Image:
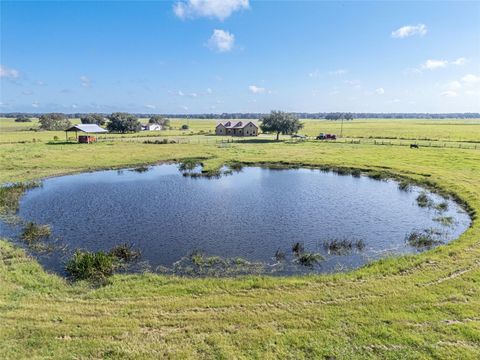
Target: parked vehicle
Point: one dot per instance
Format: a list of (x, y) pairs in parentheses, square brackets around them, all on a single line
[(323, 136)]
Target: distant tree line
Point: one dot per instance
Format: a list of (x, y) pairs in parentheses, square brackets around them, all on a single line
[(120, 122), (339, 116), (300, 115)]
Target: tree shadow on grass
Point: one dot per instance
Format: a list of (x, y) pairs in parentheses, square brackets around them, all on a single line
[(257, 141), (62, 143)]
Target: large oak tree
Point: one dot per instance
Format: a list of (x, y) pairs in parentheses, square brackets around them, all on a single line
[(280, 122)]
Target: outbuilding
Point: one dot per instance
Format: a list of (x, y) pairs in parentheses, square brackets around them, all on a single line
[(89, 129)]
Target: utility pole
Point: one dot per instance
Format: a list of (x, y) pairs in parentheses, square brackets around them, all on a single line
[(341, 126)]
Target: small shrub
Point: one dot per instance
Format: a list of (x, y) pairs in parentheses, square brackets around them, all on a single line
[(184, 127), (55, 138), (423, 200), (309, 259), (125, 252), (94, 266), (23, 119), (33, 232), (160, 141)]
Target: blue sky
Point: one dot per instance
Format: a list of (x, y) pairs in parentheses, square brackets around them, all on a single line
[(199, 56)]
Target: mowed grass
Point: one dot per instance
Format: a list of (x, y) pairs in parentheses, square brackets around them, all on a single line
[(413, 307)]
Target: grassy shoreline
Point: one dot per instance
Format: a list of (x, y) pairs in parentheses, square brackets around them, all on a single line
[(422, 306)]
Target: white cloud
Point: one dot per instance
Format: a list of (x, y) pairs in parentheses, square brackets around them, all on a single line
[(220, 9), (150, 106), (35, 104), (338, 72), (8, 73), (410, 30), (256, 89), (453, 85), (356, 84), (221, 41), (74, 106), (209, 91), (85, 81), (314, 74), (471, 79), (193, 95), (380, 91), (434, 64), (459, 61), (449, 93)]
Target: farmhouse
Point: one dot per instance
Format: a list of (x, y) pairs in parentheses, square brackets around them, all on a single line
[(237, 128)]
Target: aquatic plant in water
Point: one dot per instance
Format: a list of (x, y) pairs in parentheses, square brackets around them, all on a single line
[(423, 239), (308, 258), (423, 200), (33, 232), (343, 246)]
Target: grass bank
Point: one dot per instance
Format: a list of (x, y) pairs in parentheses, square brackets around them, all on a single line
[(424, 306)]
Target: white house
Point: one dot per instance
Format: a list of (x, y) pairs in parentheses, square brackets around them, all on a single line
[(151, 127)]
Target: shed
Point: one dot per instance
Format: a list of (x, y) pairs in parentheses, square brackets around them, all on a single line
[(88, 129)]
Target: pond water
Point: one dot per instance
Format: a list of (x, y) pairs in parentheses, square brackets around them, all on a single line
[(252, 214)]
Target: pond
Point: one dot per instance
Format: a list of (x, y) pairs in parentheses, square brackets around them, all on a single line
[(253, 216)]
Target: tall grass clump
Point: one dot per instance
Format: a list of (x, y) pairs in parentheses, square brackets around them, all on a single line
[(92, 266), (125, 252), (236, 166), (10, 196), (309, 259), (422, 239), (343, 246), (297, 248), (305, 258), (404, 185), (441, 207), (444, 220), (280, 255), (423, 200), (33, 232), (189, 164)]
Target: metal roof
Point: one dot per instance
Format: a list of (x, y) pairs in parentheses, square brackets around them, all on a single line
[(236, 124), (87, 128)]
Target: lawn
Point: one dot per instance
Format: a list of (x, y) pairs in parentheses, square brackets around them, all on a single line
[(413, 307)]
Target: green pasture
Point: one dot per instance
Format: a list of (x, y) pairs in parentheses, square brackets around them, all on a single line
[(424, 306)]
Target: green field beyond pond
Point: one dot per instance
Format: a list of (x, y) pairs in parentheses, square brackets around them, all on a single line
[(413, 307)]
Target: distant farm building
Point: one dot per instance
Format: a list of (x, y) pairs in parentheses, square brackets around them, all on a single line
[(89, 129), (236, 128), (151, 127)]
